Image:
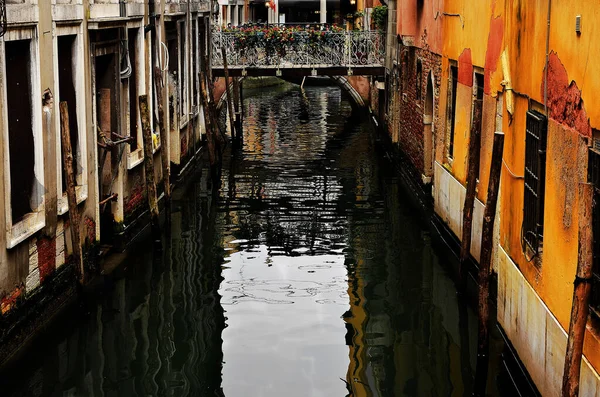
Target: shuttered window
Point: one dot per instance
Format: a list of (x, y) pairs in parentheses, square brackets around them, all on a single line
[(594, 178), (535, 175)]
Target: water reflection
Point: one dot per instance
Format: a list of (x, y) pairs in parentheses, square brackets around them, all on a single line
[(310, 275)]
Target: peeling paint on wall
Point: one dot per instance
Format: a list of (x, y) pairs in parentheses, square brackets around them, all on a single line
[(465, 68), (564, 98), (492, 54)]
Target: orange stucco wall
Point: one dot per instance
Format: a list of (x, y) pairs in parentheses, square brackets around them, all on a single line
[(475, 37), (423, 24)]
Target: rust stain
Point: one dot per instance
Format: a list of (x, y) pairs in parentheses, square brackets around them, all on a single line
[(564, 98), (465, 68), (492, 55)]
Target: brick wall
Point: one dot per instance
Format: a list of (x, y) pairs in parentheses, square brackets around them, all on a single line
[(405, 108)]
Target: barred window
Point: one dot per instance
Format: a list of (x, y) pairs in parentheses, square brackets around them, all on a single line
[(535, 175), (594, 178)]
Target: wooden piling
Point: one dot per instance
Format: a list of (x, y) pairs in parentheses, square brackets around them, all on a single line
[(472, 174), (67, 151), (228, 94), (164, 153), (149, 161), (581, 292), (210, 133), (237, 108), (487, 236)]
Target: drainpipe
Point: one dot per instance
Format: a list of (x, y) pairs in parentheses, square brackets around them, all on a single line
[(547, 58)]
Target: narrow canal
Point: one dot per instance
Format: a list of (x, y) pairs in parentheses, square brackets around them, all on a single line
[(310, 275)]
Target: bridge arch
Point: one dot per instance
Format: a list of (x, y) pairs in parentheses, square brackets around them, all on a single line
[(350, 89)]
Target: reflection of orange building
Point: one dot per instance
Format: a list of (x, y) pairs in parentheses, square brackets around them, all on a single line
[(356, 319), (534, 80)]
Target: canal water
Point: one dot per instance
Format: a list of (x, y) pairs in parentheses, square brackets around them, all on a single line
[(308, 274)]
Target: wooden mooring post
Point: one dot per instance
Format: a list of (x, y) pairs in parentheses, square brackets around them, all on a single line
[(472, 174), (74, 218), (149, 161), (164, 153), (238, 105), (208, 121), (485, 260), (581, 292), (232, 124)]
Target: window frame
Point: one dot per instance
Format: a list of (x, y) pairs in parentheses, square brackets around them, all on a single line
[(81, 179), (136, 157), (183, 77), (35, 220), (451, 109), (594, 179), (538, 190)]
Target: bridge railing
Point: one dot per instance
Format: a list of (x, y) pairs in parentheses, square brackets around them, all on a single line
[(286, 48)]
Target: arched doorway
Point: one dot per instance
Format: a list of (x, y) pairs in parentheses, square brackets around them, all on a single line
[(428, 130)]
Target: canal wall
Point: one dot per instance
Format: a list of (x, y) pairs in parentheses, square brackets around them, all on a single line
[(473, 57), (97, 57)]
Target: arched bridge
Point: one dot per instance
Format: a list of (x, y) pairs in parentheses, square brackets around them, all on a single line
[(297, 51)]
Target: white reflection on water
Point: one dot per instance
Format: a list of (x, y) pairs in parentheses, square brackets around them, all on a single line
[(265, 353)]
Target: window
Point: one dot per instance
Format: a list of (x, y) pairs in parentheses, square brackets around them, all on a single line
[(535, 175), (419, 81), (451, 114), (194, 65), (173, 80), (594, 178), (70, 89), (20, 128), (66, 93), (22, 136), (183, 89), (134, 119)]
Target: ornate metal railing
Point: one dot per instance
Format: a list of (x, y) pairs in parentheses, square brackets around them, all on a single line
[(300, 49)]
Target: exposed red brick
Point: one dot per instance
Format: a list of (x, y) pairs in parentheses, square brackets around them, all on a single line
[(9, 301), (492, 55), (184, 143), (135, 199), (564, 98), (46, 257), (465, 68), (90, 225)]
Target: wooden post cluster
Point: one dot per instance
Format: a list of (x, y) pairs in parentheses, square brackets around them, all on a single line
[(158, 85), (581, 292), (487, 235), (74, 218)]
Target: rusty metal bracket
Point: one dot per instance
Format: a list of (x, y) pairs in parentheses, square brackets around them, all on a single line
[(112, 197)]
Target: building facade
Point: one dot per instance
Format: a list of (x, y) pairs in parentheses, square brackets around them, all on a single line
[(525, 67), (96, 55)]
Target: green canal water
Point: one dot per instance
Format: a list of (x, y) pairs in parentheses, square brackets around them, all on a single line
[(310, 273)]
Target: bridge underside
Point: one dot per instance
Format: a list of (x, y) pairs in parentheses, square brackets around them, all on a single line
[(300, 71)]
